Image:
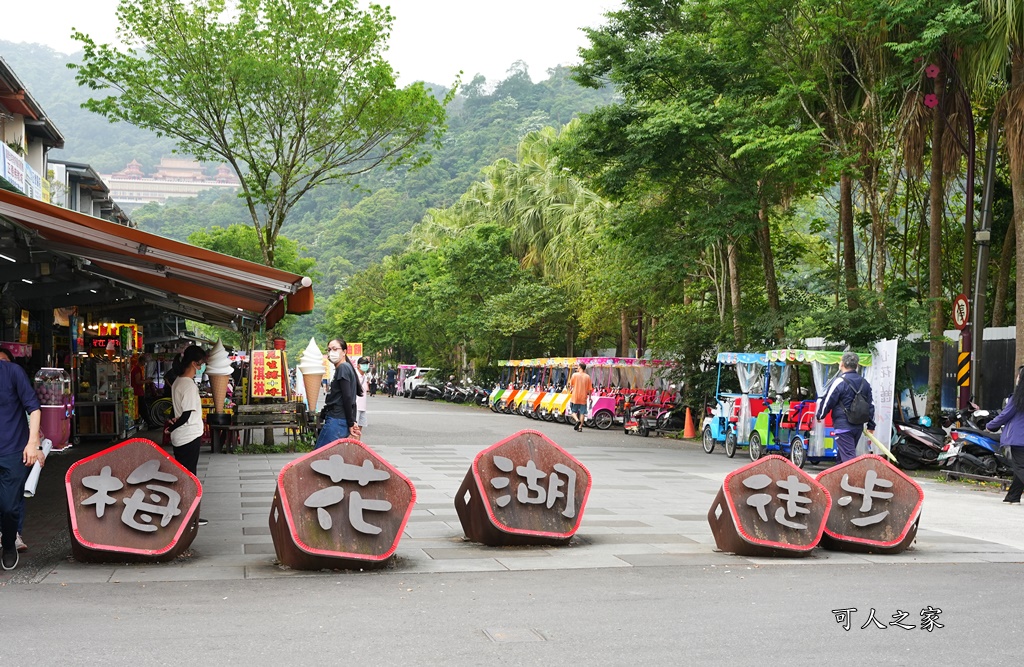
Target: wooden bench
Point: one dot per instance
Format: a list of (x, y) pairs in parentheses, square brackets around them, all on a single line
[(291, 417)]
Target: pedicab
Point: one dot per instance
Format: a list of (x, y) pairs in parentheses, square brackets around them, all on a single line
[(792, 429), (617, 382), (732, 418)]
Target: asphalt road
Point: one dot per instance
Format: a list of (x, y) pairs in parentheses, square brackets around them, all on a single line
[(685, 614)]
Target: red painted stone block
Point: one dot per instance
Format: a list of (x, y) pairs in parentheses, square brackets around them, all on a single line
[(769, 508), (131, 502), (875, 507), (340, 507), (523, 490)]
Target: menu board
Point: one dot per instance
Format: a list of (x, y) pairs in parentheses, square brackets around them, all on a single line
[(269, 374)]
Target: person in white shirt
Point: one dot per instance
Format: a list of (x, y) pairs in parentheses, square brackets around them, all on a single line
[(187, 425), (363, 370)]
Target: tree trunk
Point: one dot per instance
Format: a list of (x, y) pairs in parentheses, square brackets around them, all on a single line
[(624, 336), (936, 206), (1006, 257), (639, 335), (1014, 136), (732, 259), (771, 285), (846, 232), (570, 340)]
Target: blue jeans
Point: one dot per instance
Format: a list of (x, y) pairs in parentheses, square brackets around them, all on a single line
[(335, 428), (13, 474)]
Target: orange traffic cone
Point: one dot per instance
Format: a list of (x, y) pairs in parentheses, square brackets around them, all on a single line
[(689, 432)]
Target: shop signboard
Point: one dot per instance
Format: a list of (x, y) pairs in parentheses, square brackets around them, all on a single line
[(340, 506), (355, 350), (269, 374), (33, 182), (523, 490), (14, 168), (131, 502)]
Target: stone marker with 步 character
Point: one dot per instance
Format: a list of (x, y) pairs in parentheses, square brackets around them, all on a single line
[(131, 503), (875, 507), (769, 508), (524, 490), (339, 507)]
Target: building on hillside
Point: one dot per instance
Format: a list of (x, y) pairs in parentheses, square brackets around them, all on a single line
[(27, 136), (174, 177)]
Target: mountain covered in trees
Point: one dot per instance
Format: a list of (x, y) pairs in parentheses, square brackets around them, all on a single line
[(343, 229)]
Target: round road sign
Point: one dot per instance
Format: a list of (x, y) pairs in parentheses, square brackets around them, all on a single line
[(961, 311)]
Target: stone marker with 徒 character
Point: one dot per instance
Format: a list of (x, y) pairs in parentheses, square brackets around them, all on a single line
[(339, 507), (131, 502), (875, 507), (524, 490), (769, 508)]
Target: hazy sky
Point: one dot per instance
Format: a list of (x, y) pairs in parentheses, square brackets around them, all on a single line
[(432, 39)]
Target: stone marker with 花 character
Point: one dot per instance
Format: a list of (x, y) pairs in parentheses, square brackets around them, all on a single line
[(769, 508), (339, 507), (131, 503), (524, 490)]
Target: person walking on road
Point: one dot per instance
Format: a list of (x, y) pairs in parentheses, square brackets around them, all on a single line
[(1012, 419), (20, 449), (340, 419), (363, 371), (580, 386), (848, 398), (391, 381)]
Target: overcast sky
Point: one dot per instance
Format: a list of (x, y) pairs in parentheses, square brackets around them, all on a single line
[(432, 39)]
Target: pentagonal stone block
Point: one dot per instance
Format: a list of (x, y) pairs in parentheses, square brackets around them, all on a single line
[(523, 490), (339, 507), (769, 508), (131, 502), (875, 507)]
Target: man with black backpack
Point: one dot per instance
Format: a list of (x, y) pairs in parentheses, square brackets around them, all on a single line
[(848, 398)]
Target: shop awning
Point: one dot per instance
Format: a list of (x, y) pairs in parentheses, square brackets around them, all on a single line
[(193, 282)]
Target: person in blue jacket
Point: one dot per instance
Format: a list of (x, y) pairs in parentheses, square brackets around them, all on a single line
[(838, 398), (20, 448), (1012, 419)]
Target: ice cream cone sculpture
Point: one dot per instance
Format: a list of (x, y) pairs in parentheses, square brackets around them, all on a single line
[(311, 365), (218, 368)]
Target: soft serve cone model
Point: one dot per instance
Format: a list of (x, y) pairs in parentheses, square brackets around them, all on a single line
[(311, 365), (218, 368)]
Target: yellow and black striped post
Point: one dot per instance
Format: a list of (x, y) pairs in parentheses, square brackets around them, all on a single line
[(963, 368)]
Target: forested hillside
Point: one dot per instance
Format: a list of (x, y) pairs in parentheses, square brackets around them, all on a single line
[(345, 229)]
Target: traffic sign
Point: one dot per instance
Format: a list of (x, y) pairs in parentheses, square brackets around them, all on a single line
[(961, 311)]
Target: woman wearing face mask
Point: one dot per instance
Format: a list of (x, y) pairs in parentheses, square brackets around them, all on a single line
[(187, 428), (340, 406), (363, 371)]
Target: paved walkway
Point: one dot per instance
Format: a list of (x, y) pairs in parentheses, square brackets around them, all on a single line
[(648, 507)]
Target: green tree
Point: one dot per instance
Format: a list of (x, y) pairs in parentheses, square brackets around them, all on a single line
[(291, 94)]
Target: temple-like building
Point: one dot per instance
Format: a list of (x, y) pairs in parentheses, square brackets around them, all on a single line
[(174, 177)]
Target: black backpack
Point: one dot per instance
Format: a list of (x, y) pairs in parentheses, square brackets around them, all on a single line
[(859, 411)]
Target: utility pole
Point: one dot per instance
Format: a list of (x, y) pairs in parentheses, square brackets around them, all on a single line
[(982, 238)]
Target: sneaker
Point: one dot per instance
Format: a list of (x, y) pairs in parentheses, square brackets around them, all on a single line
[(9, 560), (19, 543), (202, 521)]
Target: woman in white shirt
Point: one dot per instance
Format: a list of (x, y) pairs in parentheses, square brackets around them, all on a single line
[(187, 429)]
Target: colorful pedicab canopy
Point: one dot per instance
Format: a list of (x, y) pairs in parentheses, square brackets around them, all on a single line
[(824, 366), (617, 371)]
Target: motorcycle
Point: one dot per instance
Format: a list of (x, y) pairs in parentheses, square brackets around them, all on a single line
[(917, 444), (977, 452), (430, 392)]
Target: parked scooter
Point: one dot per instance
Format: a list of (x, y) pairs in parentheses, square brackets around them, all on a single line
[(917, 443), (977, 452)]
